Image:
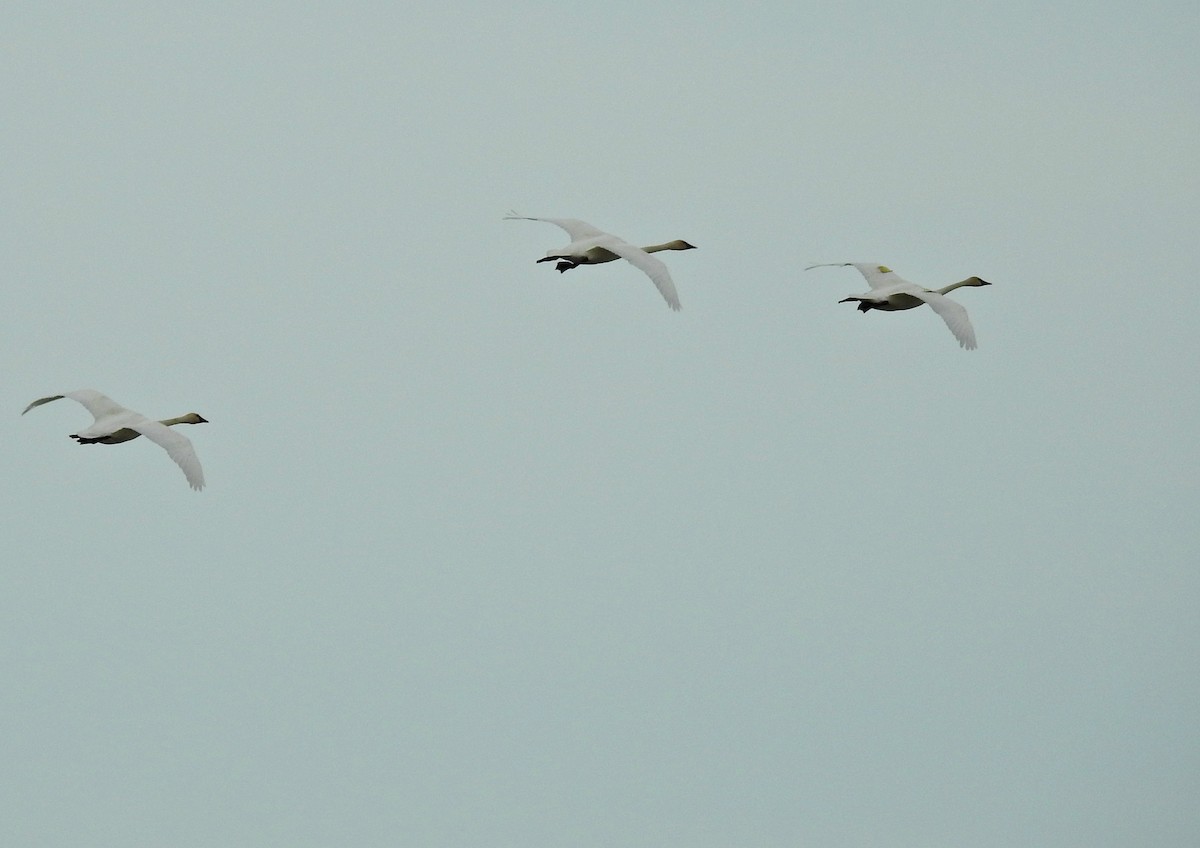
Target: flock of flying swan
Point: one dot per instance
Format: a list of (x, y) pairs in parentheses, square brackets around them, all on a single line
[(115, 424)]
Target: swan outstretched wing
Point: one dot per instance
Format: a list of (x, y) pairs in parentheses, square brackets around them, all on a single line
[(653, 268), (952, 312), (40, 401), (177, 446), (877, 276), (577, 230), (94, 402)]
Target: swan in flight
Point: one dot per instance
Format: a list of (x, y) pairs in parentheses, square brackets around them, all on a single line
[(115, 424), (590, 246), (892, 293)]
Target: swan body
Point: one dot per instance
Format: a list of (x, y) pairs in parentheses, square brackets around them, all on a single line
[(590, 246), (115, 424), (891, 293)]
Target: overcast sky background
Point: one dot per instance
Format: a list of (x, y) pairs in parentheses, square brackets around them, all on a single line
[(495, 556)]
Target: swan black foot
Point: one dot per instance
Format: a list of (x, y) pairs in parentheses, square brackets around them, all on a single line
[(565, 263)]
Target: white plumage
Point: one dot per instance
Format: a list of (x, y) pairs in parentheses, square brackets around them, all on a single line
[(891, 293), (115, 424), (590, 246)]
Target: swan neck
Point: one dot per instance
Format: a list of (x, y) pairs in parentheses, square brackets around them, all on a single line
[(947, 289)]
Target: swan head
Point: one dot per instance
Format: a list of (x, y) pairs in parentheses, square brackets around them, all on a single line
[(678, 244), (193, 418), (975, 281)]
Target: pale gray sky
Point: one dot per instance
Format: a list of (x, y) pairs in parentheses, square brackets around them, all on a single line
[(495, 556)]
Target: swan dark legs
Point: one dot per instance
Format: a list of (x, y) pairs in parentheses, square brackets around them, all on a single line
[(863, 305), (565, 263)]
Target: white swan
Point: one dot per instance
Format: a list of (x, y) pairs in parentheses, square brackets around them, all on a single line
[(891, 293), (115, 424), (590, 246)]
